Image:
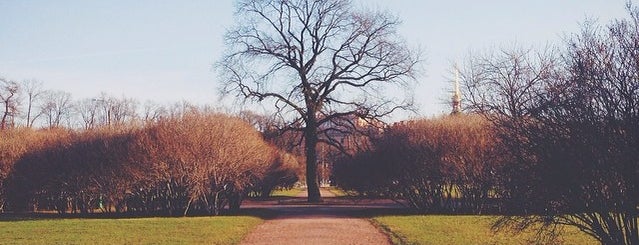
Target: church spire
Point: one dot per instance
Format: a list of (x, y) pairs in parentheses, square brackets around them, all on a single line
[(456, 100)]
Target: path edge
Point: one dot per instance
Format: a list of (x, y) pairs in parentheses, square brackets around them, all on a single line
[(393, 238)]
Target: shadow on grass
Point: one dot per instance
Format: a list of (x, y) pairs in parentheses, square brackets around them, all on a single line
[(344, 206), (33, 216), (263, 208)]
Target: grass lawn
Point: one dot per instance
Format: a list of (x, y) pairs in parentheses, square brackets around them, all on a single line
[(294, 192), (440, 229), (187, 230), (286, 192), (337, 191)]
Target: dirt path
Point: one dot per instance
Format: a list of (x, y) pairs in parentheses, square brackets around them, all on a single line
[(316, 224)]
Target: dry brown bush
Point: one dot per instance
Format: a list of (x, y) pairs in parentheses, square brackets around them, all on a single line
[(200, 157), (449, 164), (284, 172), (15, 143), (194, 162)]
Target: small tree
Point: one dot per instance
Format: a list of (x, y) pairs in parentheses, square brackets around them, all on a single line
[(33, 91), (55, 107), (317, 62), (87, 110), (8, 100)]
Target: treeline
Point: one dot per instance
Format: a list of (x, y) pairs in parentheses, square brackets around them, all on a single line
[(28, 104), (193, 163)]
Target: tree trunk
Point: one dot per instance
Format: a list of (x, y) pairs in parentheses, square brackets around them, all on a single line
[(312, 182), (30, 101), (4, 115), (235, 201)]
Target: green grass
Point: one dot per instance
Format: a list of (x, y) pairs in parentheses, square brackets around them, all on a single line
[(188, 230), (337, 191), (294, 192), (286, 192), (440, 229)]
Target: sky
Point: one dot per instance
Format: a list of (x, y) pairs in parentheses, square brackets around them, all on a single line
[(164, 51)]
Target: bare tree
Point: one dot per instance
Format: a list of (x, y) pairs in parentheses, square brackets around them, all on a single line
[(56, 106), (573, 135), (123, 110), (88, 110), (9, 99), (596, 109), (506, 83), (153, 112), (106, 102), (262, 123), (33, 91), (317, 62)]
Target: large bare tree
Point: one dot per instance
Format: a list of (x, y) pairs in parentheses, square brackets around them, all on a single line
[(318, 63)]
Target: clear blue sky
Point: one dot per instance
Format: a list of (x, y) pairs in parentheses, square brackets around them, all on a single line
[(164, 50)]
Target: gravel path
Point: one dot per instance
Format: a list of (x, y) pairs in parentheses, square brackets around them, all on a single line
[(316, 224)]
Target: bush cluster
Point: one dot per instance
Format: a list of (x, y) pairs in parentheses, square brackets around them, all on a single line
[(193, 163), (448, 164)]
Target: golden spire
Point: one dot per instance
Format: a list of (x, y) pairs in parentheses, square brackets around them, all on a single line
[(456, 102)]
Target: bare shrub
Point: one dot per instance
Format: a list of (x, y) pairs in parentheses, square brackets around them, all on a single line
[(449, 164), (203, 160), (197, 162), (283, 172)]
